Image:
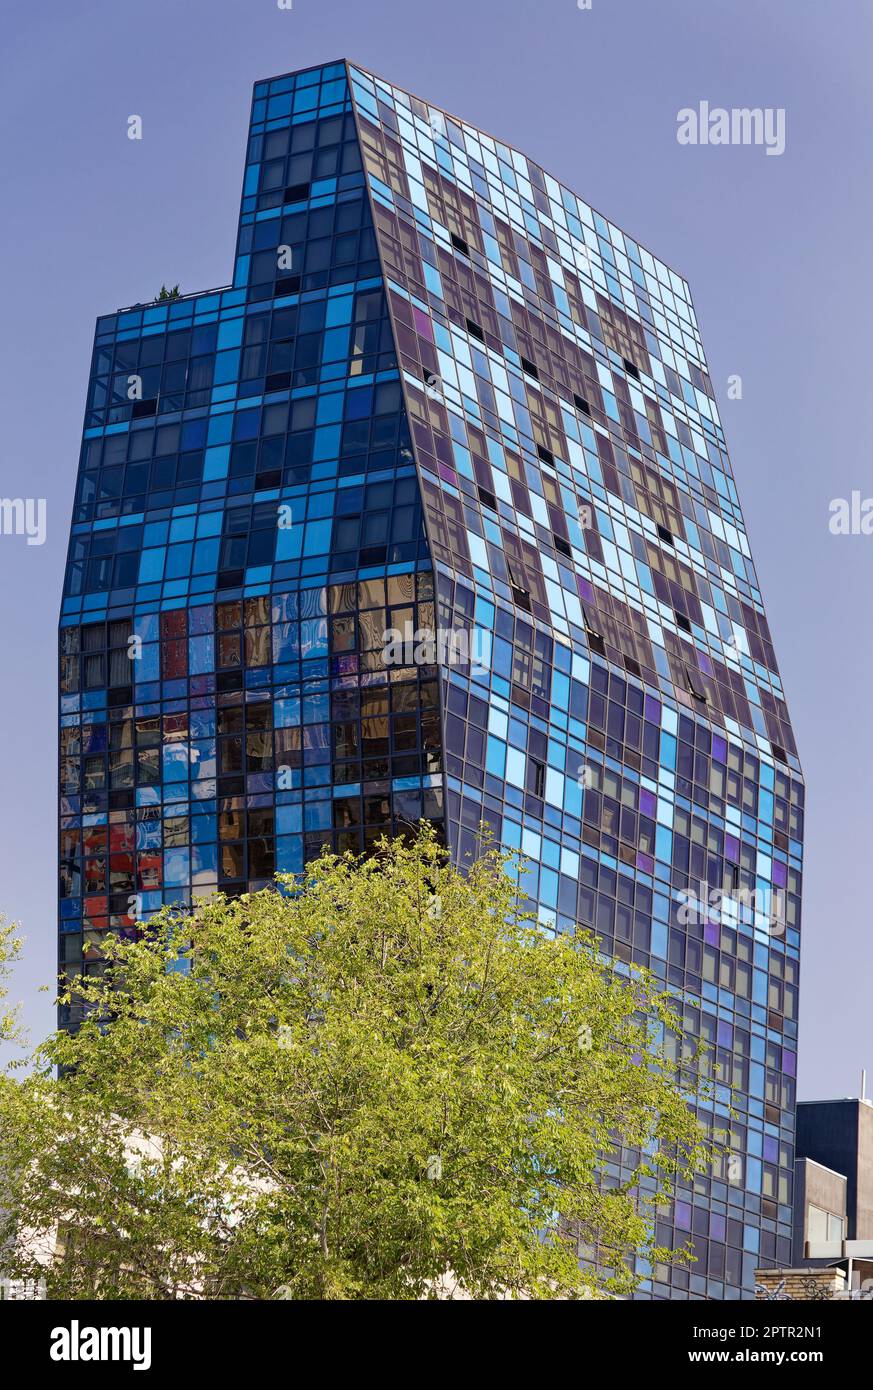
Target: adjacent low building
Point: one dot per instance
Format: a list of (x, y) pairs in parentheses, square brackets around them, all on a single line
[(833, 1205)]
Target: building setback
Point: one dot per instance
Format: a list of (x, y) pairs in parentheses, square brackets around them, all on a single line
[(441, 393), (839, 1135)]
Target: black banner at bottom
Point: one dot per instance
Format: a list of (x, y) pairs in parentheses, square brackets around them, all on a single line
[(157, 1338)]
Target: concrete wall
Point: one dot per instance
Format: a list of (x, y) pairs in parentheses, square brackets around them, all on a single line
[(823, 1188)]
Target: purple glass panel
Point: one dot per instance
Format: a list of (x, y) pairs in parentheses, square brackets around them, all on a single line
[(717, 1227), (682, 1212), (423, 324)]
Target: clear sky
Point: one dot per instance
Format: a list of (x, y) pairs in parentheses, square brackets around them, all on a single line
[(776, 249)]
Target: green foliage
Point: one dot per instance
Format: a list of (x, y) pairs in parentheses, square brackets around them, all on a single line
[(165, 294), (10, 952), (382, 1081)]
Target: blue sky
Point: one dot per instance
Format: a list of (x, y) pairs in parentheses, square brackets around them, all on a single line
[(776, 251)]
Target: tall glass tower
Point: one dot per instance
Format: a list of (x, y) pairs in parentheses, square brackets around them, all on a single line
[(443, 395)]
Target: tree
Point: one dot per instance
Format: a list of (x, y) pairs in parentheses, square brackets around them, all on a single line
[(165, 294), (10, 952), (382, 1081)]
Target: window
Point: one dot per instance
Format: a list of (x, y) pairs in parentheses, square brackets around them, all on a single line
[(695, 684), (822, 1226)]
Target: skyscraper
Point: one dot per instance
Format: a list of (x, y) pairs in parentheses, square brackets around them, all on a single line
[(442, 395)]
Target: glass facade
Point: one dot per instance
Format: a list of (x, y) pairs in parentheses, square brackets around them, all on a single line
[(442, 396)]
